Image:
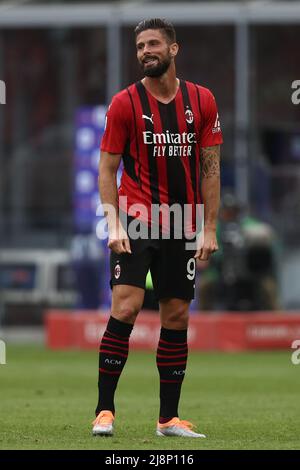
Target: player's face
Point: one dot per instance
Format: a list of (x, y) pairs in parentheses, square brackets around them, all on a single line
[(154, 52)]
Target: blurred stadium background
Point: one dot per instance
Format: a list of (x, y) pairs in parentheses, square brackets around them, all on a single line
[(61, 64)]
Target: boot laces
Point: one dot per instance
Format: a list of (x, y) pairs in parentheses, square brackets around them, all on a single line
[(104, 417)]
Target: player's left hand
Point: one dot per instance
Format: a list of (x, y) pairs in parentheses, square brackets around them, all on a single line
[(207, 244)]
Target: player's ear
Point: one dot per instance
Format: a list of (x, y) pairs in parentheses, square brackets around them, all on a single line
[(174, 49)]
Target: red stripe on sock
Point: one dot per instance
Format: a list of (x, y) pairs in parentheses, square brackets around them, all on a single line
[(171, 349), (168, 342), (170, 357), (115, 340), (113, 334), (171, 363), (113, 352), (113, 346), (110, 372)]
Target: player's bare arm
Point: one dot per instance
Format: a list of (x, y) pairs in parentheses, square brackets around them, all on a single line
[(210, 188), (108, 167)]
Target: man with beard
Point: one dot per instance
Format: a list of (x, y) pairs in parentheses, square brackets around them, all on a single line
[(164, 129)]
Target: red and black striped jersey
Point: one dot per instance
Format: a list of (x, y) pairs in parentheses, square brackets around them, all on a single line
[(160, 143)]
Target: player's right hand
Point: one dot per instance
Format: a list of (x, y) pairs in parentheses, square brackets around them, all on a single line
[(118, 240)]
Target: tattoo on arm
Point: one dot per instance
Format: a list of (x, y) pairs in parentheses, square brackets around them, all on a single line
[(210, 161)]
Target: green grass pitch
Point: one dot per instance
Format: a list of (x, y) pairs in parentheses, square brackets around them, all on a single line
[(240, 401)]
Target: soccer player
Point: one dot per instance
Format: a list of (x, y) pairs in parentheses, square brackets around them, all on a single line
[(167, 132)]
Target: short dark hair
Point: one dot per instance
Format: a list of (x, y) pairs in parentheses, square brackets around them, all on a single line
[(157, 23)]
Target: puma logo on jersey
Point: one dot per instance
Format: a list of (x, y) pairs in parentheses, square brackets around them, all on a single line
[(147, 117), (217, 125)]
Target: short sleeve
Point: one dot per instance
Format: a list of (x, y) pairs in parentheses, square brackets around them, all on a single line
[(211, 133), (115, 134)]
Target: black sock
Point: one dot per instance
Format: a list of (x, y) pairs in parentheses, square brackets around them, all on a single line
[(171, 361), (113, 355)]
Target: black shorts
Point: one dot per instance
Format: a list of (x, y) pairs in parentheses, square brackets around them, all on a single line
[(172, 267)]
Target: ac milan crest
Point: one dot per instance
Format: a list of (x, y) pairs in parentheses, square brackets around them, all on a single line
[(117, 271), (189, 117)]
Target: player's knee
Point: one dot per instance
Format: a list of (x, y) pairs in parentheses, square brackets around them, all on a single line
[(177, 318), (126, 303), (126, 314)]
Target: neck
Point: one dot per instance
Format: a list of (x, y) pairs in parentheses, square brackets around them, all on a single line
[(164, 87)]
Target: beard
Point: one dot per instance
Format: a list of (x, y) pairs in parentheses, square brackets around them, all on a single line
[(156, 70)]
